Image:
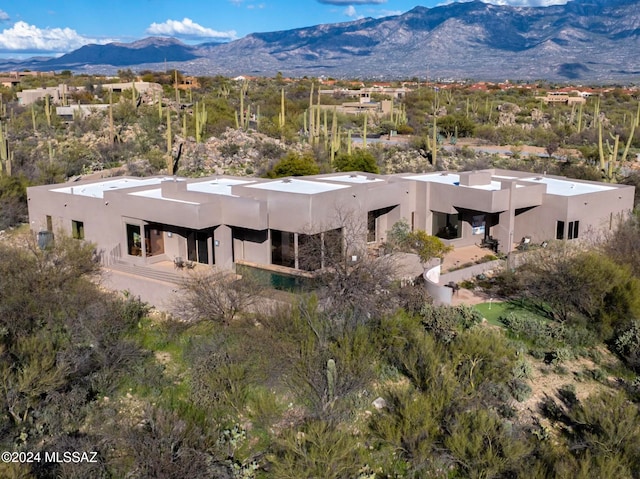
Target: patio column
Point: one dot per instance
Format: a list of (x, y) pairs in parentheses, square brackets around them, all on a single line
[(507, 219)]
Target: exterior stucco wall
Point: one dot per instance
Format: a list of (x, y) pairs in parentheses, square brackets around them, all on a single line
[(235, 224)]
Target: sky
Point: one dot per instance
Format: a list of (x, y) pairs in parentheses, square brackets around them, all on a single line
[(54, 27)]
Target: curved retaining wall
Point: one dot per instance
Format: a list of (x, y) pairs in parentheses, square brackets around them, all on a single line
[(435, 281), (440, 294)]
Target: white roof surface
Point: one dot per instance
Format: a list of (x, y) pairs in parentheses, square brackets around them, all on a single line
[(294, 185), (96, 190), (560, 187), (156, 193), (352, 179), (444, 178), (219, 186), (453, 180)]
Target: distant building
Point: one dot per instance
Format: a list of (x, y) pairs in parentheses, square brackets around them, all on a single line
[(71, 112), (56, 94), (141, 86), (563, 97)]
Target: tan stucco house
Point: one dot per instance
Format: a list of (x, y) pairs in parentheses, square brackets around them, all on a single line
[(224, 220)]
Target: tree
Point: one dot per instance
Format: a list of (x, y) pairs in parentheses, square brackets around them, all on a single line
[(359, 160), (352, 284), (294, 165), (456, 125), (427, 246), (126, 75), (64, 343), (569, 283), (216, 296), (623, 245)]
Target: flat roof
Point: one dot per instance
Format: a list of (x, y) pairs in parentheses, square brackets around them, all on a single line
[(568, 187), (555, 186), (218, 186), (352, 178), (294, 185), (96, 190), (453, 180), (156, 194)]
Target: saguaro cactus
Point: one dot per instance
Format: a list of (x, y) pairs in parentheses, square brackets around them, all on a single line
[(241, 114), (6, 155), (201, 121), (609, 162), (282, 116), (169, 135), (48, 109), (332, 376), (111, 128), (335, 136), (364, 131), (33, 118)]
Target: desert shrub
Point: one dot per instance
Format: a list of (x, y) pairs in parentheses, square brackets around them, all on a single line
[(317, 449), (410, 421), (471, 432), (520, 390), (627, 345), (543, 335), (608, 424), (446, 321), (567, 394)]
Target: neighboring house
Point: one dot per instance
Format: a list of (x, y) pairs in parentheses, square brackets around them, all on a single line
[(226, 220), (9, 82), (367, 92), (56, 93), (71, 112), (141, 86), (562, 97)]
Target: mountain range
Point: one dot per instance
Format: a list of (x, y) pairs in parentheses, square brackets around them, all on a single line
[(586, 40)]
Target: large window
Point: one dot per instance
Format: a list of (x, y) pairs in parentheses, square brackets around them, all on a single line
[(446, 226), (573, 229), (283, 248), (310, 252), (77, 229), (134, 240), (154, 240)]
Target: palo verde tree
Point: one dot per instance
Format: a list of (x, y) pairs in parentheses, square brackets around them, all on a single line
[(359, 159), (293, 164)]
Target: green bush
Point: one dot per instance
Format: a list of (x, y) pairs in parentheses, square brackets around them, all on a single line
[(627, 345), (520, 390), (446, 321)]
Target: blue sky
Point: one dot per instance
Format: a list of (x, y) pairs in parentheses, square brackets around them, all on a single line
[(54, 27)]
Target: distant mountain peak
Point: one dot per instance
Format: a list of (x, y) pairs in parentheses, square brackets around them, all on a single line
[(590, 40)]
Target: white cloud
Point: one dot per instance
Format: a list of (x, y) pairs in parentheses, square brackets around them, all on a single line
[(515, 3), (388, 13), (4, 16), (352, 2), (22, 37), (188, 28), (350, 11)]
